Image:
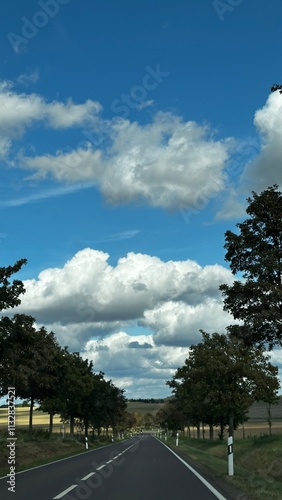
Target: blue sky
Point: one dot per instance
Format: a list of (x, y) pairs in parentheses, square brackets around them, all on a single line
[(131, 135)]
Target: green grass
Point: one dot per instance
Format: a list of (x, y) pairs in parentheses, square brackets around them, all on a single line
[(257, 463), (41, 448)]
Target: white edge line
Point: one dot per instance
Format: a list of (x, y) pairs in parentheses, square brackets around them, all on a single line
[(66, 458), (203, 480), (65, 492)]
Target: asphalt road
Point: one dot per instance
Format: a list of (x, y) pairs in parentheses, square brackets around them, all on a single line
[(140, 468)]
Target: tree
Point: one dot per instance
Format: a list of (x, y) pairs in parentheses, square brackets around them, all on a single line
[(28, 357), (256, 252), (10, 292), (221, 379), (171, 415), (276, 87), (76, 385)]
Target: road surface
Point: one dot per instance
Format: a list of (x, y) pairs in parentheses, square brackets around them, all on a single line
[(140, 468)]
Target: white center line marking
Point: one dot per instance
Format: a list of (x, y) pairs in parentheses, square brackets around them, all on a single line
[(87, 477), (65, 492)]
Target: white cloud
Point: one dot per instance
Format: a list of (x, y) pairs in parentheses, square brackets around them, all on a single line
[(265, 170), (30, 77), (178, 324), (233, 207), (257, 163), (43, 194), (19, 111), (167, 163), (145, 104), (66, 115), (100, 298), (142, 371), (73, 166)]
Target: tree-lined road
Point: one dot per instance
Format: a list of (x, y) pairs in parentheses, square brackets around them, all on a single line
[(140, 468)]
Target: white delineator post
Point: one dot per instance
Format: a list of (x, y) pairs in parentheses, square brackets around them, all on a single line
[(176, 439), (86, 443), (230, 457)]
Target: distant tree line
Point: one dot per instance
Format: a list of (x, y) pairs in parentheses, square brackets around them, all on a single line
[(147, 400), (42, 372)]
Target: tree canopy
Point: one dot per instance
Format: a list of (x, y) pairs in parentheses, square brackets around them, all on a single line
[(221, 379), (256, 253), (10, 292)]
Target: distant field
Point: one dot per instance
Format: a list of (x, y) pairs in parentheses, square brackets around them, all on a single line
[(256, 425), (40, 419), (258, 411), (143, 408)]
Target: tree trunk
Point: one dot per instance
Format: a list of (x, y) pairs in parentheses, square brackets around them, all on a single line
[(198, 430), (72, 426), (221, 432), (211, 431), (269, 419), (86, 425), (51, 414), (30, 415), (203, 430)]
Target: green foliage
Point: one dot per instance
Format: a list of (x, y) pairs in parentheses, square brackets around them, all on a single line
[(172, 415), (220, 380), (10, 292), (256, 252), (276, 87)]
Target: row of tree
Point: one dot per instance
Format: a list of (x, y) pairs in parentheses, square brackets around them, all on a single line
[(32, 361), (217, 385), (224, 374)]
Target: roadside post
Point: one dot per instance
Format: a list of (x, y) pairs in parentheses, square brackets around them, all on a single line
[(177, 439), (230, 457), (86, 443)]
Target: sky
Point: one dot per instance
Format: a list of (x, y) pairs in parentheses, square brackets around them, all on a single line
[(131, 135)]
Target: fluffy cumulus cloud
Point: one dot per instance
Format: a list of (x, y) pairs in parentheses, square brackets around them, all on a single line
[(171, 299), (257, 164), (97, 309), (174, 322), (20, 111), (136, 364), (167, 163), (265, 169)]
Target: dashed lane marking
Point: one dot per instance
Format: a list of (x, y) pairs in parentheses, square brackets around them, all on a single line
[(61, 495)]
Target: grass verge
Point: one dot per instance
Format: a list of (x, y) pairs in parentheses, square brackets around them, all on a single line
[(40, 449), (257, 463)]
